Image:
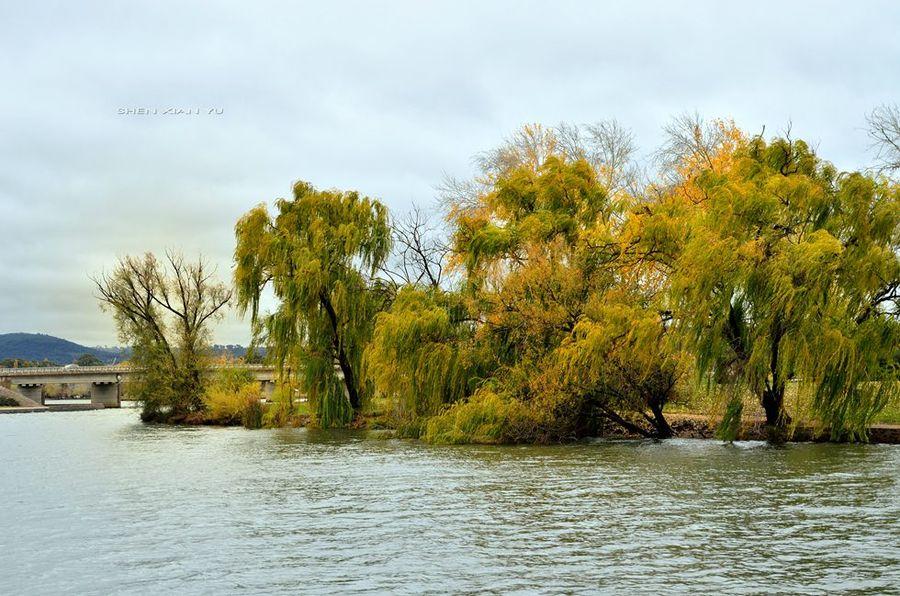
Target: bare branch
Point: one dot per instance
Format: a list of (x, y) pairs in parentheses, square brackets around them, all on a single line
[(884, 129)]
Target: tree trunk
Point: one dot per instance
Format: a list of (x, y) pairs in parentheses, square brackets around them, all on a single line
[(773, 404), (773, 395), (349, 377), (343, 360), (663, 430), (629, 426)]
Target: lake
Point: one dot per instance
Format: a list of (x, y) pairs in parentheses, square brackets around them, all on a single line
[(97, 503)]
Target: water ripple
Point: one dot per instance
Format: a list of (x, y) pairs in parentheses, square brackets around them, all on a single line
[(96, 503)]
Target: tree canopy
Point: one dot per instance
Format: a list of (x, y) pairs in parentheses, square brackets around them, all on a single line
[(789, 270), (319, 255), (163, 310), (571, 291)]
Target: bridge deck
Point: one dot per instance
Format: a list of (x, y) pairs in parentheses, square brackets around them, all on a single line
[(38, 371)]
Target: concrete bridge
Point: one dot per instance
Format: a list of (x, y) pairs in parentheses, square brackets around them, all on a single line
[(105, 381)]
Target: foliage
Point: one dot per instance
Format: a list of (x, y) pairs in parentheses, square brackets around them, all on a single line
[(619, 359), (163, 310), (318, 255), (545, 263), (19, 363), (486, 418), (233, 397), (88, 360), (422, 354), (731, 422), (790, 270), (571, 293)]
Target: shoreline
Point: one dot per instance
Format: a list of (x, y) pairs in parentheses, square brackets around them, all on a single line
[(684, 425), (700, 426)]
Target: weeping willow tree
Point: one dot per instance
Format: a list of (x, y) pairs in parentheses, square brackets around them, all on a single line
[(541, 249), (319, 255), (789, 271), (619, 360), (423, 353)]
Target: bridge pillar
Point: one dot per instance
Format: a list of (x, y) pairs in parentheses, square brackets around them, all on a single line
[(267, 388), (32, 391), (105, 393)]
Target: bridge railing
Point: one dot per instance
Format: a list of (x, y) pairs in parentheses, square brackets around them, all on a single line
[(39, 371)]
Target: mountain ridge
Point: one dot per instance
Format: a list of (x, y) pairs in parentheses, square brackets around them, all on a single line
[(39, 347)]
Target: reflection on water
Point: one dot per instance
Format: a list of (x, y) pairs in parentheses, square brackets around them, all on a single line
[(95, 502)]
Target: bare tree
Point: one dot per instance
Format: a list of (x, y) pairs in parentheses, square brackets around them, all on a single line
[(529, 146), (608, 146), (689, 139), (884, 129), (163, 311), (457, 194), (420, 251)]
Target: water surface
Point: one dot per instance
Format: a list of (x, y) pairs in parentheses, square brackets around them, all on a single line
[(97, 503)]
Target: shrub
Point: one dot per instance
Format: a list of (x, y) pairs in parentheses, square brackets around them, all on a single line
[(234, 398), (486, 418), (284, 410), (253, 415)]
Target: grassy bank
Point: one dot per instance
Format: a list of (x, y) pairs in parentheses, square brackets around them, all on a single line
[(233, 398)]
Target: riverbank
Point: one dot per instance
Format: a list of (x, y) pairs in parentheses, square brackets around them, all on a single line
[(684, 425), (12, 402), (699, 426)]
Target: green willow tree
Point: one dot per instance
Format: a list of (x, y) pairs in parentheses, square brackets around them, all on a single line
[(319, 256), (789, 270), (423, 353)]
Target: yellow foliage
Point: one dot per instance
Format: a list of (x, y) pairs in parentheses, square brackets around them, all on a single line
[(486, 418), (228, 405)]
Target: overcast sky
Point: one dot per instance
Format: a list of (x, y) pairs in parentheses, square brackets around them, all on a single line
[(382, 97)]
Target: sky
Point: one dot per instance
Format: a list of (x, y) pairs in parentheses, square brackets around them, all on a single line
[(382, 97)]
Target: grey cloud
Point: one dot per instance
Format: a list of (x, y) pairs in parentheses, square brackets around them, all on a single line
[(382, 97)]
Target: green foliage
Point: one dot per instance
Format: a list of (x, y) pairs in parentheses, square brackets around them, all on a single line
[(252, 416), (19, 363), (88, 360), (568, 313), (584, 297), (486, 418), (730, 425), (788, 271), (422, 354), (233, 397), (318, 254)]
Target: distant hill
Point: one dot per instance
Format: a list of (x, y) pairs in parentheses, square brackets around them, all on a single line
[(38, 347)]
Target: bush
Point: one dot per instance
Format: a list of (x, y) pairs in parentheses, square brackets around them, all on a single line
[(7, 402), (233, 398), (486, 418), (284, 410), (253, 415)]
